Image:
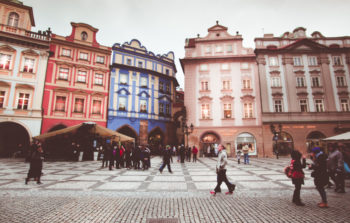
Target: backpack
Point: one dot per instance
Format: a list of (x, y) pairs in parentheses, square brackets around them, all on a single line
[(288, 170)]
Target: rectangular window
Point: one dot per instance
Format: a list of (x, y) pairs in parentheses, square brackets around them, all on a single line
[(123, 79), (100, 59), (341, 81), (205, 111), (161, 108), (203, 67), (275, 82), (337, 61), (208, 49), (63, 73), (319, 105), (140, 64), (315, 81), (167, 72), (297, 61), (246, 84), (167, 88), (122, 104), (79, 105), (344, 105), (23, 101), (5, 61), (161, 86), (300, 82), (229, 48), (83, 56), (98, 80), (143, 81), (143, 106), (227, 111), (2, 99), (66, 52), (278, 105), (81, 76), (313, 61), (248, 110), (167, 109), (204, 86), (225, 66), (273, 61), (226, 85), (303, 105), (96, 107), (128, 62), (28, 65), (218, 49), (60, 103)]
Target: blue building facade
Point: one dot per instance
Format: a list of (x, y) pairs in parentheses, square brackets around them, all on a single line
[(142, 90)]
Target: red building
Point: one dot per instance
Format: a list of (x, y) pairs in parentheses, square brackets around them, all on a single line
[(77, 80)]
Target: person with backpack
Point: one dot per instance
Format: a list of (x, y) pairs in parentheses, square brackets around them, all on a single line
[(297, 175)]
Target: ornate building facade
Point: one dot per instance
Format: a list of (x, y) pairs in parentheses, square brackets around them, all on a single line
[(77, 80), (305, 85), (222, 95), (23, 61), (142, 91)]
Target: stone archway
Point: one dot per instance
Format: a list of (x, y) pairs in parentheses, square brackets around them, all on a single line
[(285, 143), (156, 140), (129, 131), (314, 139), (14, 140), (208, 143)]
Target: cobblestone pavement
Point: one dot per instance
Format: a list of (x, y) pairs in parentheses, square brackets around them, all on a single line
[(83, 192)]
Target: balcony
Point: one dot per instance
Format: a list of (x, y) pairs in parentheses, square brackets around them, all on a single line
[(45, 35)]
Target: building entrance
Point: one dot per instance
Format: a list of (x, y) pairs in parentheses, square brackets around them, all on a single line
[(14, 140)]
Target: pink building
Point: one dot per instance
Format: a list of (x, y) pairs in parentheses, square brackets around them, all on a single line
[(222, 94), (305, 87)]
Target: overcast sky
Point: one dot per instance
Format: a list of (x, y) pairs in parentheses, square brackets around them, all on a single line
[(163, 25)]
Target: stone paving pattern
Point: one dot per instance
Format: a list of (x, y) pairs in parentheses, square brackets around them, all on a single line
[(84, 192)]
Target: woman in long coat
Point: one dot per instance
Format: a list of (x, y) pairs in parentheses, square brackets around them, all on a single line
[(36, 164), (297, 175)]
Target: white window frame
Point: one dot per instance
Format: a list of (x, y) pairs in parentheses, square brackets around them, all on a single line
[(205, 111), (204, 85), (207, 49), (13, 19), (337, 61), (83, 56), (278, 105), (66, 52), (75, 105), (203, 67), (81, 76), (246, 84), (312, 61), (248, 110), (303, 103), (319, 105), (98, 79), (227, 110), (341, 82), (275, 81), (23, 98), (225, 66), (226, 85), (2, 98), (93, 111), (143, 82), (300, 81), (344, 104), (5, 61), (316, 81), (229, 48), (63, 73), (273, 61), (297, 61), (65, 103), (122, 103), (122, 78), (30, 63), (218, 49), (100, 59)]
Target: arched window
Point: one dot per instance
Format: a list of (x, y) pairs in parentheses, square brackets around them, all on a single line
[(84, 36), (13, 19), (246, 140)]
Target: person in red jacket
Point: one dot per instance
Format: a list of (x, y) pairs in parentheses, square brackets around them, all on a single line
[(194, 151)]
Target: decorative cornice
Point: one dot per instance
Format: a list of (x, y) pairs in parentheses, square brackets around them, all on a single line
[(7, 48), (123, 89), (227, 98), (299, 71), (317, 93), (315, 71), (324, 60), (343, 93), (277, 94), (205, 98), (247, 97), (276, 72), (30, 52), (302, 94), (339, 71)]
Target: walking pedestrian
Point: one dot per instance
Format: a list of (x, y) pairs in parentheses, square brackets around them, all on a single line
[(182, 153), (335, 165), (189, 154), (195, 152), (297, 166), (319, 174), (36, 163), (246, 154), (221, 172), (166, 159), (239, 153)]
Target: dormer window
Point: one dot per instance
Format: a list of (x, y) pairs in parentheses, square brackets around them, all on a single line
[(84, 36), (13, 19)]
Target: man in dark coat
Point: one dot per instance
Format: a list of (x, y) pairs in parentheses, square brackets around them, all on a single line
[(182, 153), (166, 159)]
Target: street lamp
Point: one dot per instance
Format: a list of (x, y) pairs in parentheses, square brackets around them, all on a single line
[(276, 133), (186, 130)]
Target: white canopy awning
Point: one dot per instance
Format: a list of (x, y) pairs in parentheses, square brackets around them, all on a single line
[(340, 137)]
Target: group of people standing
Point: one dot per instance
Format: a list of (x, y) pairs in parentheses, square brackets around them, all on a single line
[(324, 167), (120, 156)]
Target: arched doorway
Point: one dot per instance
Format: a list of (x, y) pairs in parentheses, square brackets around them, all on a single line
[(129, 131), (314, 139), (246, 140), (208, 144), (14, 140), (285, 144), (155, 140)]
